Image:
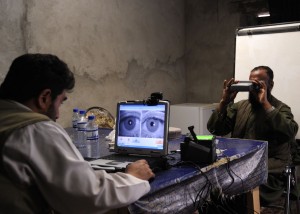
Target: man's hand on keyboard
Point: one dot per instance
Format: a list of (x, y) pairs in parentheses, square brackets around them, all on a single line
[(140, 169)]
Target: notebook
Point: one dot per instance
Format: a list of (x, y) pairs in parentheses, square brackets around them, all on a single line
[(141, 132)]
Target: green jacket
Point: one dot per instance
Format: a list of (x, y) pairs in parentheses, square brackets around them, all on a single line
[(277, 127)]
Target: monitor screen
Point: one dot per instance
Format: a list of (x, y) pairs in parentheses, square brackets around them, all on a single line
[(141, 126)]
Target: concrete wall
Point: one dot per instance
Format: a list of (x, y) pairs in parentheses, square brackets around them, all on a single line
[(12, 42), (210, 47), (126, 49), (118, 49)]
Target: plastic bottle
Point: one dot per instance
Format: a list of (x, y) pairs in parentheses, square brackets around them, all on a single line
[(92, 138), (81, 126), (75, 118)]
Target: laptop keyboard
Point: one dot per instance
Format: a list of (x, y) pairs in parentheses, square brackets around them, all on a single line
[(122, 158), (155, 163)]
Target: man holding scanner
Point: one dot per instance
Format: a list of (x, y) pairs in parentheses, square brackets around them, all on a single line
[(260, 117)]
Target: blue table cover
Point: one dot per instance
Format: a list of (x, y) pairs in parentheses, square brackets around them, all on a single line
[(240, 167)]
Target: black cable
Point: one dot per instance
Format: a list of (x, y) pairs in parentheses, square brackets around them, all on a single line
[(202, 194), (201, 203), (242, 182), (229, 173)]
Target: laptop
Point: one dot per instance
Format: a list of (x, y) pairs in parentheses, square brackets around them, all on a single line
[(141, 132)]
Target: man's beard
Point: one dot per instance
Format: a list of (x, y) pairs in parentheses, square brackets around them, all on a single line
[(253, 99), (51, 113)]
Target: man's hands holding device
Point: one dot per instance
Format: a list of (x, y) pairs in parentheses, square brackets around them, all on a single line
[(228, 95), (232, 87)]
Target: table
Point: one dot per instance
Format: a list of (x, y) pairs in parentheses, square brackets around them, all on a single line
[(241, 166)]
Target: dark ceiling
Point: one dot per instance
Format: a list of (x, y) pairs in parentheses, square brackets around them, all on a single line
[(284, 10), (280, 10)]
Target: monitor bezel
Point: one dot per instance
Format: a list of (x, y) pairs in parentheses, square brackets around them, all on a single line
[(144, 151)]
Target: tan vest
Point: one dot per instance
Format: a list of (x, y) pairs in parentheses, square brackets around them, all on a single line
[(15, 198)]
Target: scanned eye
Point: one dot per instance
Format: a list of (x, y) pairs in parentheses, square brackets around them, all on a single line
[(153, 124), (129, 123)]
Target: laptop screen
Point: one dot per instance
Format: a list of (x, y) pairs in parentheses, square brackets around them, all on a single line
[(142, 128)]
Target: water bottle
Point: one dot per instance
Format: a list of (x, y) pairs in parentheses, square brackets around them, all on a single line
[(92, 138), (81, 131), (75, 118)]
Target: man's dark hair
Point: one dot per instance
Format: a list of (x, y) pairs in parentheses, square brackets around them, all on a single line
[(268, 70), (29, 74)]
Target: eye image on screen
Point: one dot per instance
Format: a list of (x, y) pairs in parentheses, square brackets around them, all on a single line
[(129, 124), (152, 124)]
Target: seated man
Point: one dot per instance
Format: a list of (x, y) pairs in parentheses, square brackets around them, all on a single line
[(41, 170), (260, 117)]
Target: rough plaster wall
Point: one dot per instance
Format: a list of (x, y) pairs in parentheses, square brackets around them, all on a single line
[(118, 49), (12, 16), (210, 48)]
